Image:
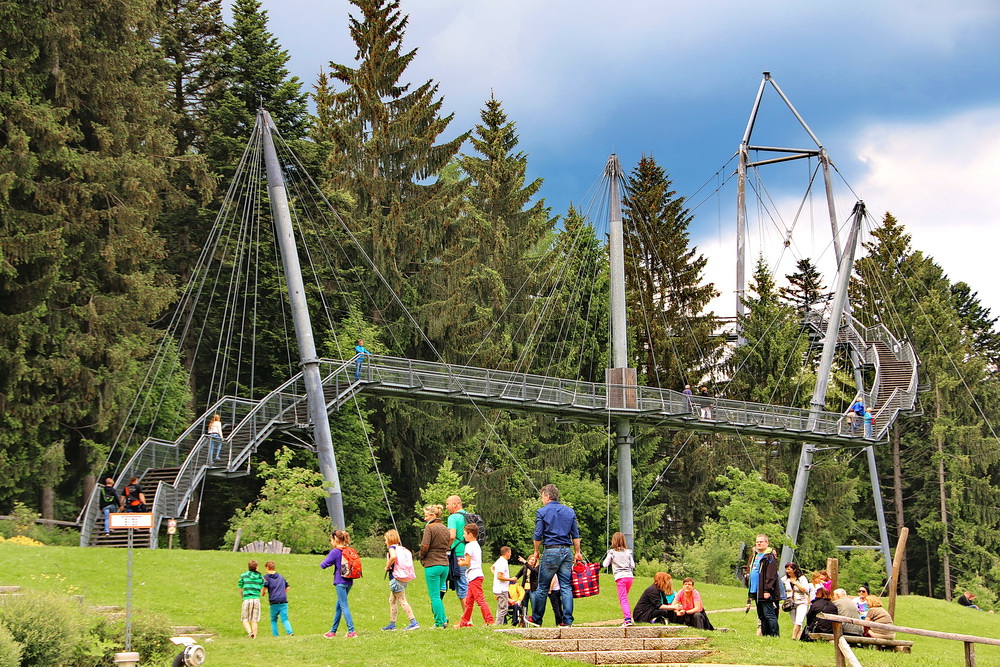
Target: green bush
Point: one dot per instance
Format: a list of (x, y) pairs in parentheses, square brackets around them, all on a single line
[(49, 628), (862, 567), (10, 649), (150, 638)]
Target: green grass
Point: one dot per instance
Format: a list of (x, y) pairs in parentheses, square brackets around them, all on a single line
[(199, 588)]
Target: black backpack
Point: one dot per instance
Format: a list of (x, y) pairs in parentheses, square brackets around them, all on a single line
[(471, 517), (108, 496)]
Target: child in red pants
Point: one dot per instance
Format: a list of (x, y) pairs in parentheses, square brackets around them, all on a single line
[(473, 560)]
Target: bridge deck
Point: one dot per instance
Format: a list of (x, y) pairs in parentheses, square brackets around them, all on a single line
[(597, 402)]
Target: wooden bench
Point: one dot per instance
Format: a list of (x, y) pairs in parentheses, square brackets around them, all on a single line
[(261, 547), (899, 645)]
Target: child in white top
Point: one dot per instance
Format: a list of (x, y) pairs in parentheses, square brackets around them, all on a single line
[(501, 583), (473, 560), (619, 557)]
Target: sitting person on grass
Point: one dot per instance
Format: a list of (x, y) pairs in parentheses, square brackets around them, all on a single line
[(692, 611), (821, 605), (878, 614), (657, 604)]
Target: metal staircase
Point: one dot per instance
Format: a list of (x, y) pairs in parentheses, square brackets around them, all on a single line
[(894, 389)]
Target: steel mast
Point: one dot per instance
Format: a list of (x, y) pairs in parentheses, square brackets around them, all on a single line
[(621, 380), (308, 359)]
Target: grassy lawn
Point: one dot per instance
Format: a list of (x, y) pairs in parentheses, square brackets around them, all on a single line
[(199, 588)]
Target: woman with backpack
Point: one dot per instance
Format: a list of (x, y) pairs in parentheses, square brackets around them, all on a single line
[(340, 541), (399, 565)]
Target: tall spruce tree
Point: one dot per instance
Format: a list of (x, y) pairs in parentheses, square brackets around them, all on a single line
[(769, 367), (83, 153), (805, 286), (493, 275), (673, 334), (388, 171), (385, 154)]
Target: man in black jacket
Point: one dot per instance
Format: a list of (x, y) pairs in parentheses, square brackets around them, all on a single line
[(765, 586)]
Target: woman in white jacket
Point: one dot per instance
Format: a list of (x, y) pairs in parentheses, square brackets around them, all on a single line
[(798, 590), (619, 557)]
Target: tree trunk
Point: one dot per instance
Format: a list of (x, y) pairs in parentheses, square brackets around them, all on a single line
[(897, 485), (943, 496), (47, 502)]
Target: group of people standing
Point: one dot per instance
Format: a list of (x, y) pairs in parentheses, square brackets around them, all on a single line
[(803, 599)]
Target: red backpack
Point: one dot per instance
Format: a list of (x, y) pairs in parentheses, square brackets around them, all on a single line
[(350, 563)]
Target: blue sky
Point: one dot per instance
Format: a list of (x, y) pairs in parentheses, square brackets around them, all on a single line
[(905, 96)]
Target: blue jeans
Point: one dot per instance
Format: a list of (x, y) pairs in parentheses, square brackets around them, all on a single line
[(556, 561), (108, 509), (215, 446), (357, 367), (281, 609), (767, 612), (342, 608), (462, 585), (868, 429)]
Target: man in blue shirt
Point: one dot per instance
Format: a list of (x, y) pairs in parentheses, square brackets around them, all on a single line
[(555, 528), (764, 585), (360, 350)]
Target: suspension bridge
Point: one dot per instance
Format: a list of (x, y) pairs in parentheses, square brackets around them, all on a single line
[(173, 471)]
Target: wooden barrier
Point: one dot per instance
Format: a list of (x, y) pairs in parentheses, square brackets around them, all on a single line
[(969, 640)]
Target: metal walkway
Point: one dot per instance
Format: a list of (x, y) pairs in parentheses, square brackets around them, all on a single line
[(248, 423)]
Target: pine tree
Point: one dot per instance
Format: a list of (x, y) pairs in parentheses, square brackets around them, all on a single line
[(252, 73), (190, 40), (492, 269), (84, 151), (674, 337), (384, 150), (805, 286), (769, 367)]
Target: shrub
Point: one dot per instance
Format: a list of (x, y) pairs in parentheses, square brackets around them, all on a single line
[(10, 649), (23, 518), (150, 638), (49, 628)]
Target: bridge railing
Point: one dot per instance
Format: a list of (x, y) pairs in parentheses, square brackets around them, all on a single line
[(526, 388), (171, 498)]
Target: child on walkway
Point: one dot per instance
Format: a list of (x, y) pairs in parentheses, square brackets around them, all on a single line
[(619, 557), (251, 582), (397, 588), (473, 560), (277, 597), (501, 583), (339, 539)]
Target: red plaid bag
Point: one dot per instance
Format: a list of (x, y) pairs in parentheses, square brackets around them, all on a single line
[(585, 579)]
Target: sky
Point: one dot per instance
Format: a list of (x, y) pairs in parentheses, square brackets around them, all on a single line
[(903, 94)]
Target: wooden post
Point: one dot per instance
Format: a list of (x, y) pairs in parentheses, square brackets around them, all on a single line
[(897, 562), (970, 654), (838, 632), (833, 569)]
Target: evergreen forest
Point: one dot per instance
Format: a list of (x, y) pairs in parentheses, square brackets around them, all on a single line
[(121, 126)]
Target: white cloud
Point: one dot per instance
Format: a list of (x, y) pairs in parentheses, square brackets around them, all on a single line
[(939, 178)]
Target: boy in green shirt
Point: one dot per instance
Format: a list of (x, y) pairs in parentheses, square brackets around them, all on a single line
[(251, 583)]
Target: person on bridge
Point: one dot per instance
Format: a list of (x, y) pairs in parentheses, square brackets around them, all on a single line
[(765, 585), (869, 423), (556, 528), (215, 437), (855, 413), (110, 502), (360, 350), (134, 499)]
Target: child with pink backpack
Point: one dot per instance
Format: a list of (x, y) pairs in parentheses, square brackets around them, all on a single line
[(399, 565)]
